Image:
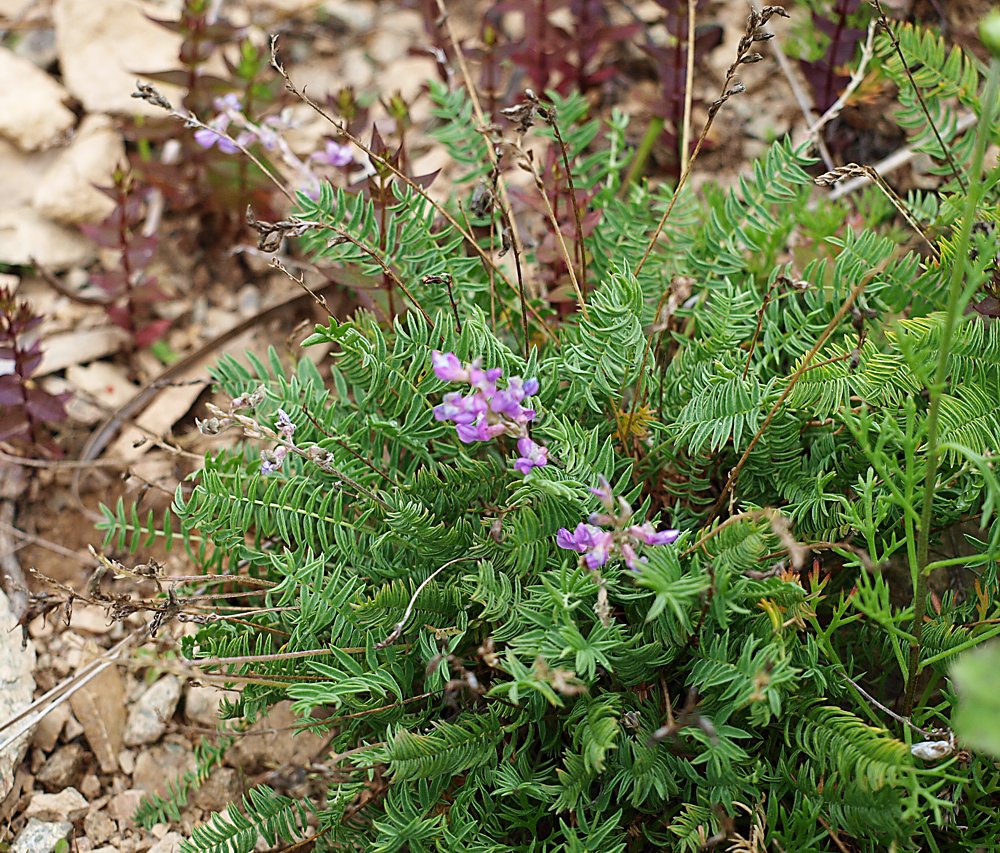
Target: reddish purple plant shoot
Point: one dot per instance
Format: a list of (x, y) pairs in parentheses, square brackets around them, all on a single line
[(24, 407)]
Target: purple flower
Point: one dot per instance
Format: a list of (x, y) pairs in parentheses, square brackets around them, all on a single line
[(481, 430), (334, 154), (532, 455), (484, 380), (508, 401), (581, 539), (601, 519), (598, 555), (632, 559), (271, 461), (603, 491), (488, 412), (459, 409), (448, 368), (597, 544), (284, 425), (648, 535), (267, 137), (228, 102), (206, 137)]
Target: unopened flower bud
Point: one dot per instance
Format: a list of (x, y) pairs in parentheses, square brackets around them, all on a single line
[(320, 456), (251, 399), (211, 426)]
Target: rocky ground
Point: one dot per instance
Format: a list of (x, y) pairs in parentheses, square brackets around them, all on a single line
[(129, 727)]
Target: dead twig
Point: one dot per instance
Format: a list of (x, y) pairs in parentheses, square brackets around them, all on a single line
[(884, 21), (397, 630)]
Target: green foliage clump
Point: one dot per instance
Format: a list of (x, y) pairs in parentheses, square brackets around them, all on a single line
[(484, 689)]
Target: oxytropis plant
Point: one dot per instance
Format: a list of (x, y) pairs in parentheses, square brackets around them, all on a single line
[(531, 655)]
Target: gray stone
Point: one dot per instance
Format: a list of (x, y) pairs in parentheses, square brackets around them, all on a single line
[(68, 193), (32, 113), (160, 765), (90, 786), (219, 790), (352, 15), (122, 806), (16, 688), (201, 704), (104, 45), (20, 172), (62, 769), (40, 836), (99, 827), (27, 236), (170, 843), (69, 804), (148, 718)]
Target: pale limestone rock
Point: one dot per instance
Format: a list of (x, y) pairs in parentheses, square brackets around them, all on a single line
[(201, 704), (26, 235), (73, 729), (32, 113), (160, 766), (220, 789), (282, 7), (355, 70), (105, 45), (47, 734), (148, 718), (170, 843), (99, 827), (407, 76), (62, 769), (353, 15), (90, 786), (69, 804), (38, 46), (386, 47), (282, 745), (11, 10), (40, 836), (16, 688), (122, 806), (20, 172), (100, 707), (68, 192), (126, 761)]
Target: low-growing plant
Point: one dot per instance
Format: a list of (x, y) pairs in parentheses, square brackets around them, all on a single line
[(683, 566), (130, 291), (26, 409)]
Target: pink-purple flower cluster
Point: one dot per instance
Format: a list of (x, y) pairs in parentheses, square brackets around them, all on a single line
[(487, 411), (230, 115), (597, 545), (231, 129)]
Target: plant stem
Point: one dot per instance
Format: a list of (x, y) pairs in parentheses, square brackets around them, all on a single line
[(936, 389), (638, 164)]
